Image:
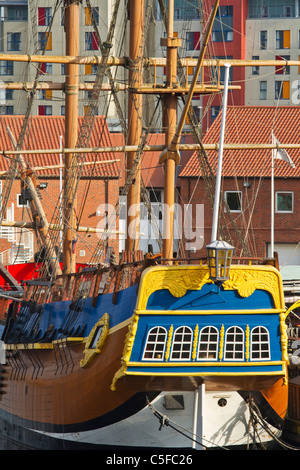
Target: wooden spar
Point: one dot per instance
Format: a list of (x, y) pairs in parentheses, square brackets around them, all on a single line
[(169, 103), (28, 86), (136, 16), (146, 148), (176, 138), (149, 61), (38, 208), (71, 132), (80, 228), (170, 155)]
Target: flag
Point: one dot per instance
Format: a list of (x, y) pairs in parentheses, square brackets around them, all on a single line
[(281, 154)]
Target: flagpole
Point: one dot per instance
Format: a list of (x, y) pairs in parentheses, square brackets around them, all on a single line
[(272, 200)]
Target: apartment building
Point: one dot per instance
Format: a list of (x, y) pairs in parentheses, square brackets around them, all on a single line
[(24, 29), (273, 32)]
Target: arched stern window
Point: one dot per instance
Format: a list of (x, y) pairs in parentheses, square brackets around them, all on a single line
[(182, 344), (234, 344), (155, 344), (260, 344), (208, 344)]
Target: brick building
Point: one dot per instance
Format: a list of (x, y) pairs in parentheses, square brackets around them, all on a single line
[(246, 182), (47, 132)]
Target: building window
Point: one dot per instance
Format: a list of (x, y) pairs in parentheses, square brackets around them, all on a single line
[(44, 16), (287, 11), (260, 343), (13, 41), (234, 200), (45, 41), (155, 344), (263, 90), (91, 41), (7, 110), (263, 39), (282, 90), (234, 344), (283, 39), (182, 344), (214, 112), (45, 94), (255, 68), (45, 110), (21, 201), (192, 40), (88, 18), (46, 68), (284, 201), (63, 110), (6, 67), (282, 69), (208, 344)]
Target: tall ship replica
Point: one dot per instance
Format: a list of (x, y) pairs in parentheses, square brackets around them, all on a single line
[(197, 350)]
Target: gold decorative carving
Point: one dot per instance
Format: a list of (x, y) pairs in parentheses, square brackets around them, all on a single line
[(177, 281), (221, 350), (247, 343), (195, 342), (118, 375), (169, 342), (244, 279), (247, 281), (90, 353), (284, 338)]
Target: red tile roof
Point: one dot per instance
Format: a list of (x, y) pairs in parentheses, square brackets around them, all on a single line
[(43, 132), (252, 124)]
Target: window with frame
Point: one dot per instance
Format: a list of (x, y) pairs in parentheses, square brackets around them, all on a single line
[(234, 344), (282, 69), (44, 16), (45, 110), (260, 344), (234, 200), (45, 41), (6, 67), (255, 68), (192, 40), (263, 90), (13, 41), (88, 17), (208, 343), (284, 201), (91, 41), (155, 344), (7, 110), (282, 90), (263, 39), (283, 39), (182, 344)]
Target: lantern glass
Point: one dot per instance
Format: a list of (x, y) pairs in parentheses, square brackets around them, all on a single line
[(219, 255)]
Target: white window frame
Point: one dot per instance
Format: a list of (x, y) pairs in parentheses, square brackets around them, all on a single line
[(276, 202), (155, 351), (212, 346), (240, 198), (181, 352), (262, 330), (235, 352)]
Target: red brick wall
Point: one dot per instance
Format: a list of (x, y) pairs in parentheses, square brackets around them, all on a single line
[(257, 207), (96, 194)]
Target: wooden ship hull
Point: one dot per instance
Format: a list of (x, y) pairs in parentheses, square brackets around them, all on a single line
[(94, 382)]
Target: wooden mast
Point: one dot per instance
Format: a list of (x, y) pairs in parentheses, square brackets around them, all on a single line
[(170, 156), (136, 16), (71, 133), (169, 125)]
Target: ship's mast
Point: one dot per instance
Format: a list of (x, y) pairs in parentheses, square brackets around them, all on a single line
[(136, 16), (71, 124), (169, 124)]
